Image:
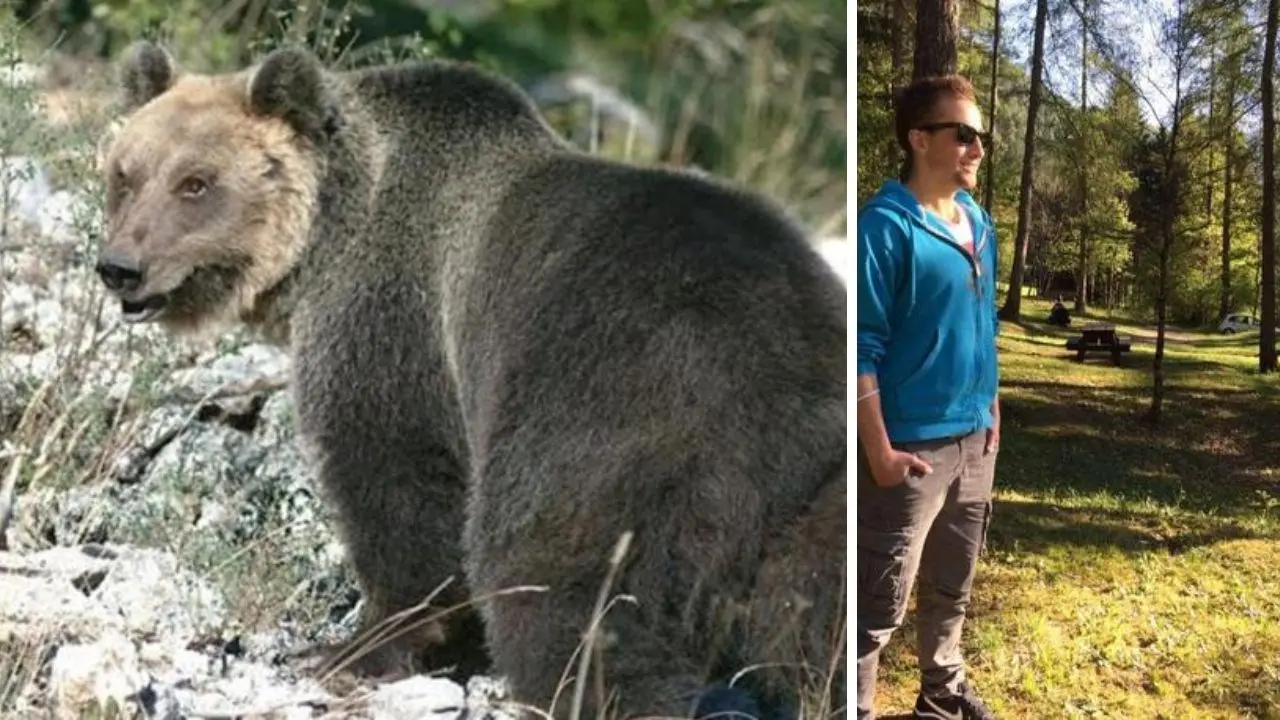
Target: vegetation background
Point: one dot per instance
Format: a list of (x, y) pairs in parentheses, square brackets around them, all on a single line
[(746, 89)]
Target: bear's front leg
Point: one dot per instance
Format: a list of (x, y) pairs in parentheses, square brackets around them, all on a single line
[(376, 424), (399, 514)]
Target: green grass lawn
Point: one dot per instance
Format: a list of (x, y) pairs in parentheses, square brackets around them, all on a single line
[(1132, 571)]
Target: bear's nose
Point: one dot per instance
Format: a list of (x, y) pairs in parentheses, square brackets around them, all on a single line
[(119, 272)]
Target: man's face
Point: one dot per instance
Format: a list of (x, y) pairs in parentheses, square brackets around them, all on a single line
[(948, 149)]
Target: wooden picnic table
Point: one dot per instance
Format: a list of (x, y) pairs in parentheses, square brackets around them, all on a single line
[(1099, 337)]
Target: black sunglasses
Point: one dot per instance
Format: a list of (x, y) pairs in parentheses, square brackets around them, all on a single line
[(965, 134)]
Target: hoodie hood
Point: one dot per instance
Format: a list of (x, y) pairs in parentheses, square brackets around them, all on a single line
[(896, 196)]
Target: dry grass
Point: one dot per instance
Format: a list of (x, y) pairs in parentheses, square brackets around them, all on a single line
[(64, 434)]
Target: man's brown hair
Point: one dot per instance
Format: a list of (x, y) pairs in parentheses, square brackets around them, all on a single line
[(914, 104)]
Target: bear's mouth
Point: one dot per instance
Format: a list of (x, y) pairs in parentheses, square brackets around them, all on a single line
[(201, 289), (143, 310), (139, 310)]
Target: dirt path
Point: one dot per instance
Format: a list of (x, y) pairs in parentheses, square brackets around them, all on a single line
[(1170, 336)]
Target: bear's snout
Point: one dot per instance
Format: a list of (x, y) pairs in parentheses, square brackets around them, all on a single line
[(119, 272)]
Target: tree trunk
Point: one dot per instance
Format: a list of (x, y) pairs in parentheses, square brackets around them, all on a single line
[(1225, 302), (1082, 269), (1012, 309), (1173, 206), (1257, 283), (989, 185), (1157, 365), (1213, 83), (898, 56), (897, 9), (1267, 336), (1167, 228), (937, 28)]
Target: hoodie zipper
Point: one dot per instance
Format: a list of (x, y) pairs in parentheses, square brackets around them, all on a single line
[(981, 356), (975, 267)]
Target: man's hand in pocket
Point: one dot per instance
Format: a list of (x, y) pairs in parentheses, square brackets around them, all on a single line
[(893, 467)]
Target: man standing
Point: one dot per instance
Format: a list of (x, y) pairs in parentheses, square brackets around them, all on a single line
[(928, 416)]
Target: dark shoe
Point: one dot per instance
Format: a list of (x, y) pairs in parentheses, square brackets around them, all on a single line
[(965, 706)]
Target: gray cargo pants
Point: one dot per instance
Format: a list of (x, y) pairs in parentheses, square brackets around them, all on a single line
[(936, 524)]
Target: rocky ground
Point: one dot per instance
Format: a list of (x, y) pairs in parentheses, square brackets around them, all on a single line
[(164, 545)]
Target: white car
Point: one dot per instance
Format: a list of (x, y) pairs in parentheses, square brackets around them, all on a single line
[(1238, 322)]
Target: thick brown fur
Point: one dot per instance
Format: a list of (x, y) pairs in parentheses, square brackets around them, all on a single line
[(508, 353)]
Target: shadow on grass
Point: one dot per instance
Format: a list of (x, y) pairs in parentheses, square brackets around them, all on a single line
[(1191, 367), (1036, 526), (1216, 449), (1211, 458), (1230, 399), (1038, 330)]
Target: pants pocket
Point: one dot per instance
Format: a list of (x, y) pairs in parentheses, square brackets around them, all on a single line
[(878, 575), (882, 585), (986, 524)]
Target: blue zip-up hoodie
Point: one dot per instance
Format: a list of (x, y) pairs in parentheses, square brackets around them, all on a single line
[(926, 316)]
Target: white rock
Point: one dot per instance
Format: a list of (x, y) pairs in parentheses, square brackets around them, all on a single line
[(40, 600), (24, 267), (419, 697), (19, 299), (255, 689), (186, 665), (38, 365), (157, 598), (25, 182), (48, 320), (65, 592), (165, 702), (21, 74), (89, 676), (485, 698), (63, 215), (214, 371), (172, 663)]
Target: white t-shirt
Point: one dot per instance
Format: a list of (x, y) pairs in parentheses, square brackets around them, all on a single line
[(961, 231)]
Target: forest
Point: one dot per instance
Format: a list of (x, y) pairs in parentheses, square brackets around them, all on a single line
[(1133, 158), (1132, 546)]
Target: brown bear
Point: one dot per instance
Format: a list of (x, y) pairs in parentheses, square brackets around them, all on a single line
[(508, 353)]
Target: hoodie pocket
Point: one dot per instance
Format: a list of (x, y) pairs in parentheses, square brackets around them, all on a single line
[(927, 364), (929, 390)]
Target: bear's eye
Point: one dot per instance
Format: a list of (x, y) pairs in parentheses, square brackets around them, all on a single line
[(193, 187)]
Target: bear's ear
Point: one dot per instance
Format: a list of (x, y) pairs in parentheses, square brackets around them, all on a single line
[(146, 71), (291, 84)]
